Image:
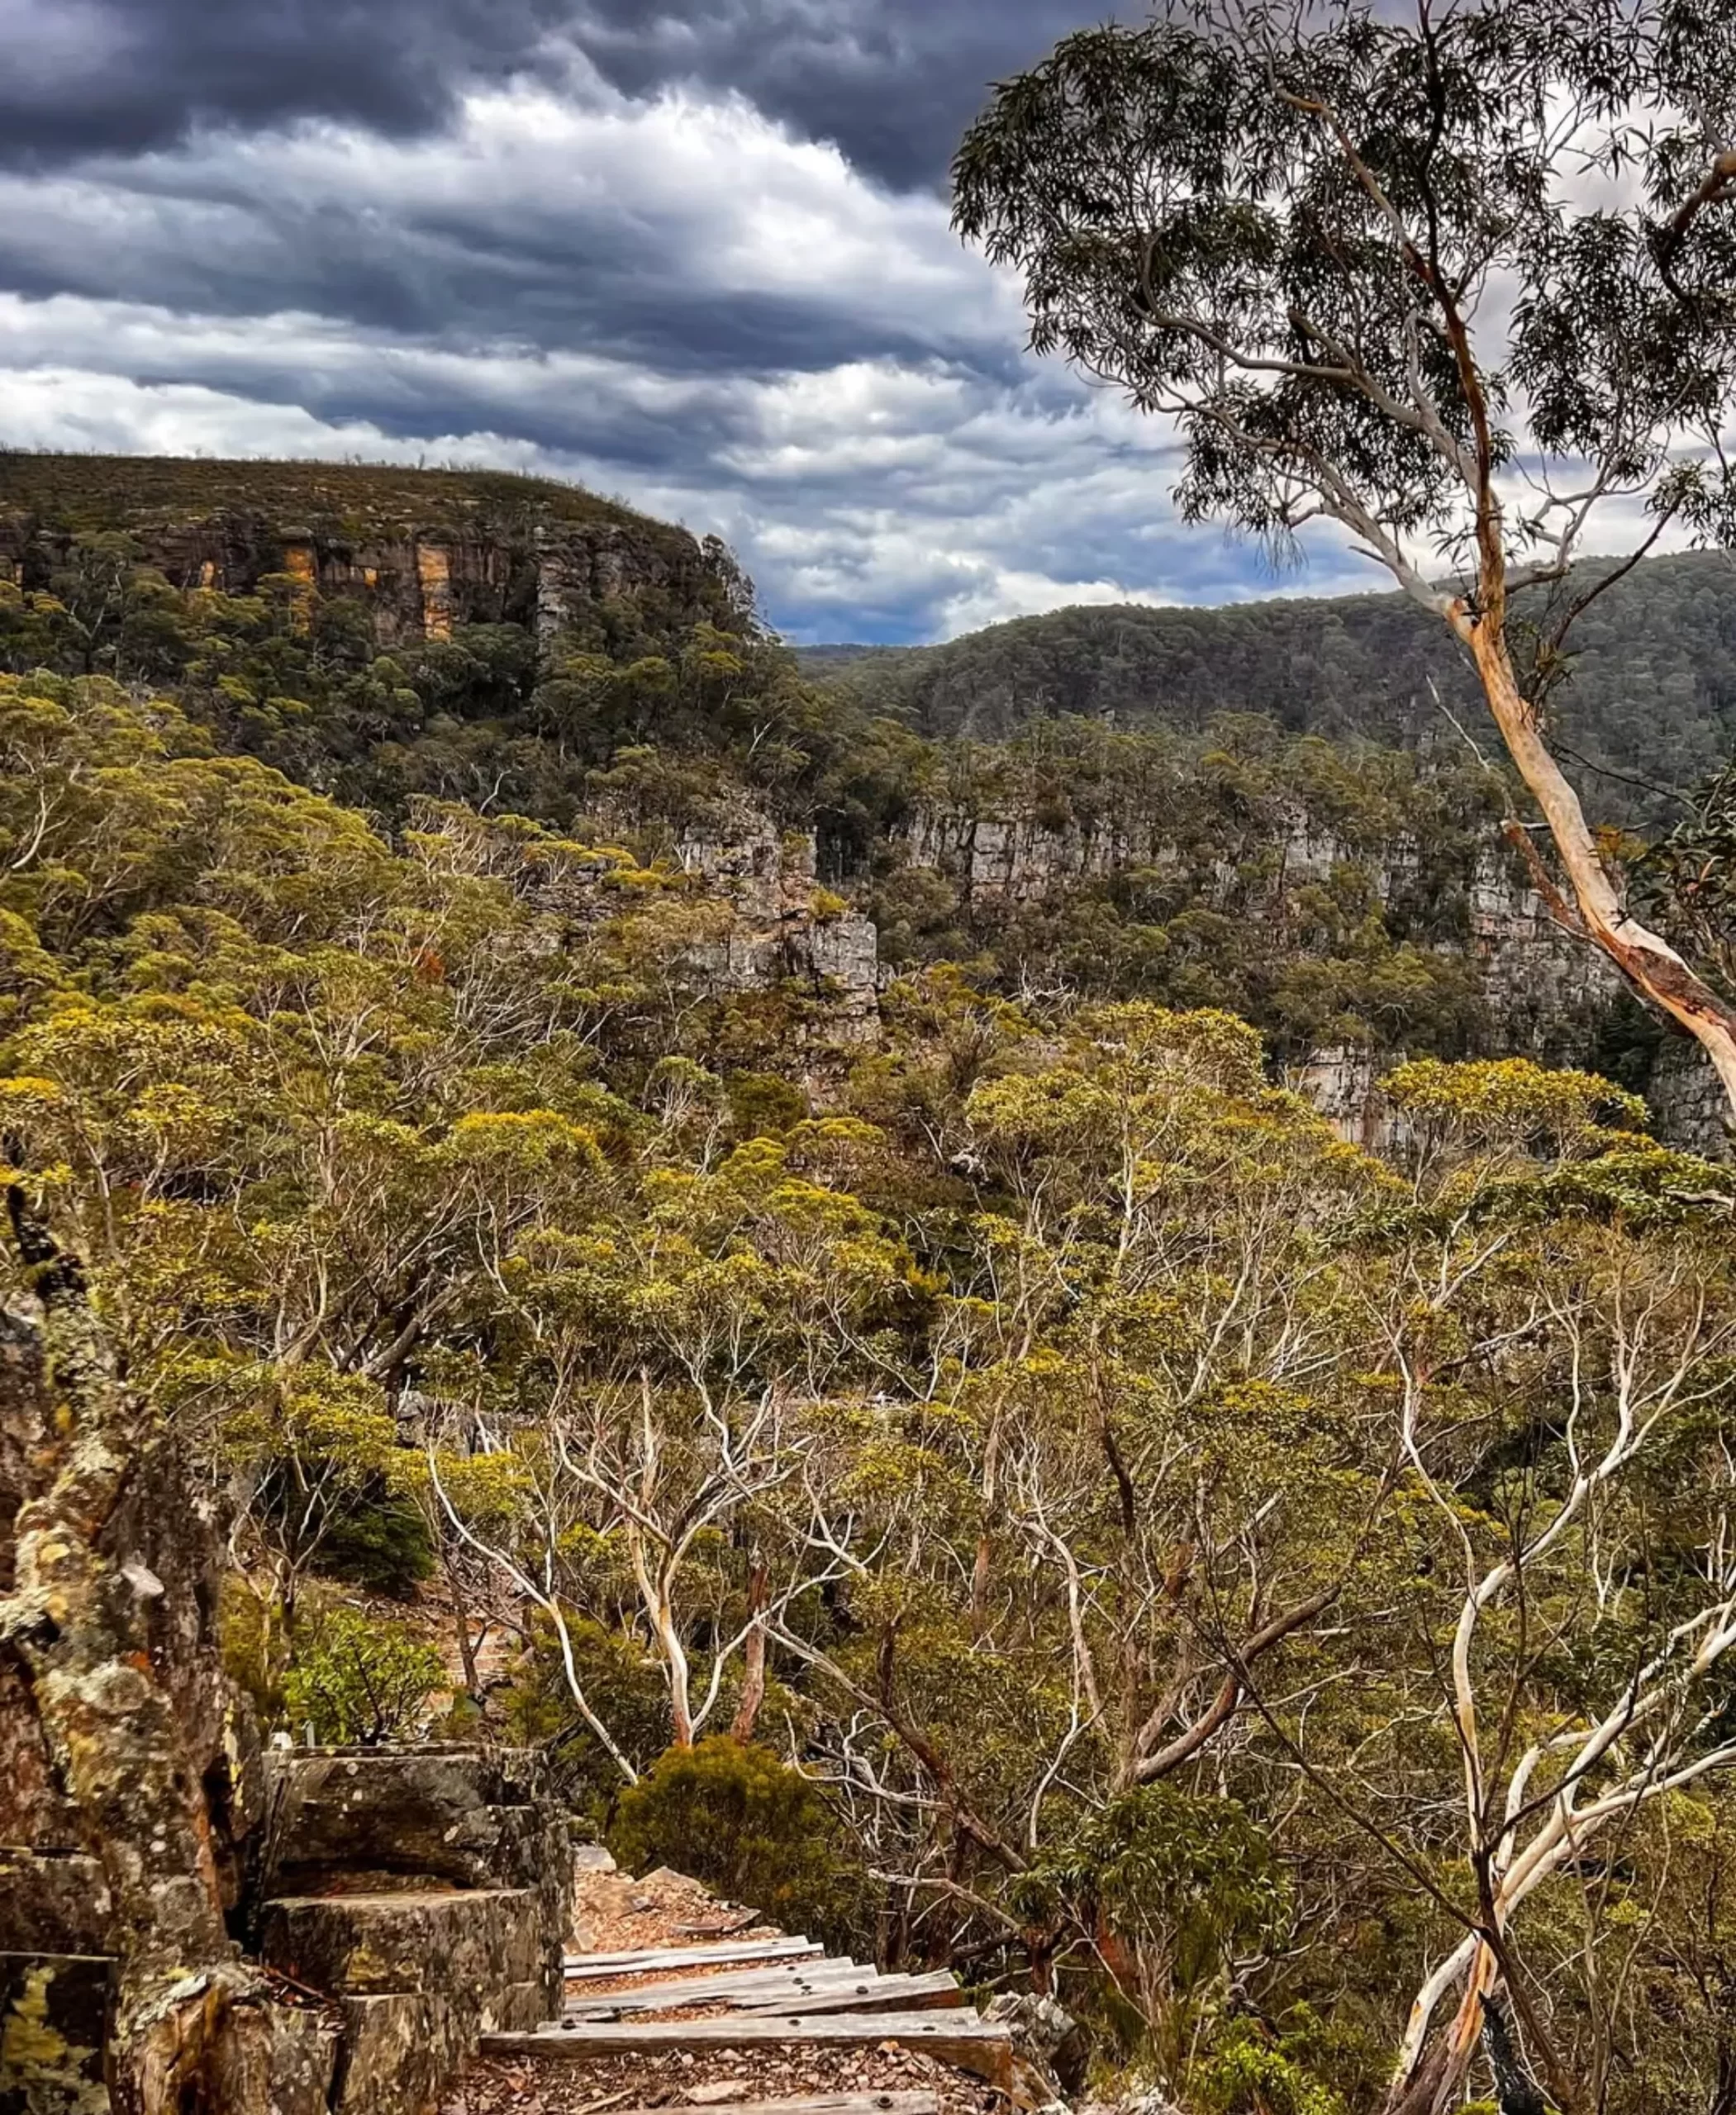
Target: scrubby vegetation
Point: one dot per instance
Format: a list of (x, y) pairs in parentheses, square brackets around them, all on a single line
[(1030, 1453), (1651, 697), (1210, 845), (92, 494)]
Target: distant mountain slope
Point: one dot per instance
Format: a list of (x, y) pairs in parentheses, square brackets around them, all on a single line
[(1653, 692)]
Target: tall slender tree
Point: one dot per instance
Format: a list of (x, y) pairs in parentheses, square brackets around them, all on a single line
[(1457, 276)]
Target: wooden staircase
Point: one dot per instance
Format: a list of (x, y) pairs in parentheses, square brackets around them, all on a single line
[(760, 1994)]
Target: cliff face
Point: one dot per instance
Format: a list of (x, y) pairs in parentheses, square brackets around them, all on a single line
[(1544, 987), (1545, 994), (425, 550), (784, 927), (419, 583)]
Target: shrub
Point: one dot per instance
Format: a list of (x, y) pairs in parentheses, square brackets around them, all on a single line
[(741, 1821), (380, 1541), (762, 1105), (357, 1680), (626, 1690)]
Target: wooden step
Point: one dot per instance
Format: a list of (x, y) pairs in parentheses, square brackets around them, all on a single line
[(912, 1994), (580, 1967), (973, 2044), (784, 1984), (821, 2104)]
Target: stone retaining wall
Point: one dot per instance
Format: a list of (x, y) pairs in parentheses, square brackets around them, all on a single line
[(425, 1894)]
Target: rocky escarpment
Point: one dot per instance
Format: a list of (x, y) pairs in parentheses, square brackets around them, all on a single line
[(1543, 988), (184, 1922), (425, 554)]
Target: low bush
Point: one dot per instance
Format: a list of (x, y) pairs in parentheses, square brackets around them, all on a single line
[(357, 1680), (742, 1821)]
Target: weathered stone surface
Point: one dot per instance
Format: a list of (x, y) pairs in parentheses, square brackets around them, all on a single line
[(398, 2051), (54, 2013), (124, 1758), (52, 1903), (520, 2008), (466, 1815), (480, 1938), (463, 1931), (471, 1817), (1688, 1102), (416, 581), (280, 2062), (782, 927), (1046, 2036)]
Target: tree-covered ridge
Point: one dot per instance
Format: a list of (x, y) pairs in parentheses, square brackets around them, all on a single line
[(1650, 693), (1329, 891), (1341, 893), (1323, 890), (91, 494), (1052, 1441)]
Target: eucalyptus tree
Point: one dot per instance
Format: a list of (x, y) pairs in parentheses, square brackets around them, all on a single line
[(1459, 277)]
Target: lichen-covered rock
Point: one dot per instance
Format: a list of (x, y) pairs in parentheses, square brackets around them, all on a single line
[(120, 1739), (478, 1939), (472, 1818), (55, 2013), (1046, 2037), (398, 2050), (462, 1932), (54, 1902)]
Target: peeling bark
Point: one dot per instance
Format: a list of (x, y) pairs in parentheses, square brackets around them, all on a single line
[(753, 1675)]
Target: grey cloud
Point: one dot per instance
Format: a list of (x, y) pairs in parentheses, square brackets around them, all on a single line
[(893, 82), (84, 76), (348, 230), (565, 273)]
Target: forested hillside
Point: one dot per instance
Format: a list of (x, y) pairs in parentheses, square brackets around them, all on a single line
[(960, 1420), (1652, 693), (492, 640)]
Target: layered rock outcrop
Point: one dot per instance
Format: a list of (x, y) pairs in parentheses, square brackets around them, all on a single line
[(1546, 992), (426, 1892), (784, 926), (419, 582), (147, 1851)]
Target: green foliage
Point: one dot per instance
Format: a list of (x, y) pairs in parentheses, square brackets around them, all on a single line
[(379, 1541), (737, 1817), (1250, 2073), (623, 1683), (1190, 1878), (1037, 1385), (1650, 693), (358, 1681)]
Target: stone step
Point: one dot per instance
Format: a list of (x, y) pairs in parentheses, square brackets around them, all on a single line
[(583, 1966), (485, 1938), (782, 1984), (963, 2039)]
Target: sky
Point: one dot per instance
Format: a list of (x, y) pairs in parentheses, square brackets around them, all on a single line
[(695, 256)]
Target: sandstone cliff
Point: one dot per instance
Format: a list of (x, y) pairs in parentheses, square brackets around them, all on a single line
[(427, 552)]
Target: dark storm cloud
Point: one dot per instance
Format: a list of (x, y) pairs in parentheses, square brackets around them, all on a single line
[(893, 82), (580, 289), (696, 257), (84, 77)]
